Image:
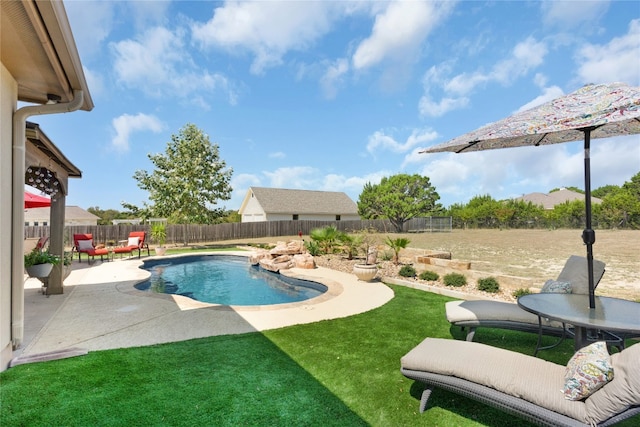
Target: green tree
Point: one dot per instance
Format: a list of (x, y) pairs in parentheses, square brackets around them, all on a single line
[(633, 185), (107, 216), (601, 192), (188, 181), (399, 198)]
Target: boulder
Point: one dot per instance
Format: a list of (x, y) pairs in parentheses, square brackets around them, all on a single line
[(304, 261), (291, 247)]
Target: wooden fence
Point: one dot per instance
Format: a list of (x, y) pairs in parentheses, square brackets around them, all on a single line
[(184, 234)]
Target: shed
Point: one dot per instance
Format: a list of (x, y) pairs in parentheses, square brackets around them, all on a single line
[(278, 204), (73, 215)]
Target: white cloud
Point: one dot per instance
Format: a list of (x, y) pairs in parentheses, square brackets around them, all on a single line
[(525, 56), (381, 141), (277, 155), (428, 107), (399, 31), (268, 30), (304, 177), (127, 124), (158, 64), (333, 77), (567, 14), (614, 61), (517, 171), (92, 22), (548, 94)]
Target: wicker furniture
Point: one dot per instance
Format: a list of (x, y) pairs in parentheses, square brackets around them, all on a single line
[(523, 385), (503, 315)]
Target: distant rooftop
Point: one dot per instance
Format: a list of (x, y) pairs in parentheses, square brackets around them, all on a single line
[(548, 201)]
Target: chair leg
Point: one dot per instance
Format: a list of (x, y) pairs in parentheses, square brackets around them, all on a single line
[(426, 393)]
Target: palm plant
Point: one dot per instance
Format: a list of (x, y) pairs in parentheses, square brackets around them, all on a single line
[(350, 244), (326, 237), (396, 245)]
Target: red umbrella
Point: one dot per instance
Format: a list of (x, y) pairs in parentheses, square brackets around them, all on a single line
[(34, 201)]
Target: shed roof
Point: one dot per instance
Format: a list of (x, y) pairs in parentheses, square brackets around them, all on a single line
[(280, 200), (70, 212)]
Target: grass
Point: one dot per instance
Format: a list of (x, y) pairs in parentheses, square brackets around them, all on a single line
[(332, 373)]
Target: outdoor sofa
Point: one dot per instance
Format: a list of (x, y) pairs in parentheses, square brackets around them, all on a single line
[(472, 314), (523, 385)]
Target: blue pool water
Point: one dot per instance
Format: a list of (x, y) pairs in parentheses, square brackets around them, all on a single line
[(227, 280)]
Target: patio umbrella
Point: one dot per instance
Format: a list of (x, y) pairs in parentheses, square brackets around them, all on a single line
[(593, 111), (34, 201)]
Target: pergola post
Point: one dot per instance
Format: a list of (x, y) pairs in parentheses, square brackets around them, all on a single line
[(56, 242)]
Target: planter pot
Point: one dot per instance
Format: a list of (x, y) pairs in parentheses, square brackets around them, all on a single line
[(40, 270), (365, 272), (160, 251)]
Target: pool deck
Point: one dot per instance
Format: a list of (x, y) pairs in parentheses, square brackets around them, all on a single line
[(100, 309)]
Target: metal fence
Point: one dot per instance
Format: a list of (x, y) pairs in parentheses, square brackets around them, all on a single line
[(183, 234)]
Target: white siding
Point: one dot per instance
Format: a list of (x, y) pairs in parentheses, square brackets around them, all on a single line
[(9, 95)]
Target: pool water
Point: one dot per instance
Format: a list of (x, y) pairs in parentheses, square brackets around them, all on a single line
[(225, 279)]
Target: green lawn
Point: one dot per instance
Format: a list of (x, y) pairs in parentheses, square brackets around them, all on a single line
[(342, 372)]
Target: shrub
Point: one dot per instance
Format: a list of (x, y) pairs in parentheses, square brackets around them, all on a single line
[(488, 284), (429, 275), (520, 292), (455, 279), (313, 247), (387, 255), (407, 271)]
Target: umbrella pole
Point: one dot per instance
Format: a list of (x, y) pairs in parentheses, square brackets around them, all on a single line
[(588, 235)]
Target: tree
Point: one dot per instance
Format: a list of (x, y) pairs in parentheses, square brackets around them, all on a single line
[(189, 179), (399, 198)]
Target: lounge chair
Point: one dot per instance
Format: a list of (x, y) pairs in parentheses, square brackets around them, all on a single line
[(523, 385), (136, 241), (31, 243), (496, 314), (83, 243)]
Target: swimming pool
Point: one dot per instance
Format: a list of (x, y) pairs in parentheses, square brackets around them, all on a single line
[(226, 280)]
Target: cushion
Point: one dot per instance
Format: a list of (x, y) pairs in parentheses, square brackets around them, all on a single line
[(575, 272), (133, 241), (587, 371), (556, 287), (621, 393), (516, 374), (83, 245)]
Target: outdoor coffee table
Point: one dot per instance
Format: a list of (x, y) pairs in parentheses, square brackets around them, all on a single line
[(611, 316)]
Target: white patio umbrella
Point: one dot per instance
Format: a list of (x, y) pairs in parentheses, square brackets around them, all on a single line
[(593, 111)]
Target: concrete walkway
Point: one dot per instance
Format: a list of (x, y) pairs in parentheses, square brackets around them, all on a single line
[(101, 309)]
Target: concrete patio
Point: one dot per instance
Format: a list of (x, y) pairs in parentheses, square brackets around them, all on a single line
[(101, 310)]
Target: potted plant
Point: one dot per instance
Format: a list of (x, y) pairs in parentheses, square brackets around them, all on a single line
[(367, 271), (159, 235), (40, 263)]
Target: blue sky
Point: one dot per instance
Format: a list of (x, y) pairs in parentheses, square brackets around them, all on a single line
[(331, 95)]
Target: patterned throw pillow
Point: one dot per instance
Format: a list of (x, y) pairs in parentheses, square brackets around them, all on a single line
[(587, 371), (556, 287)]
